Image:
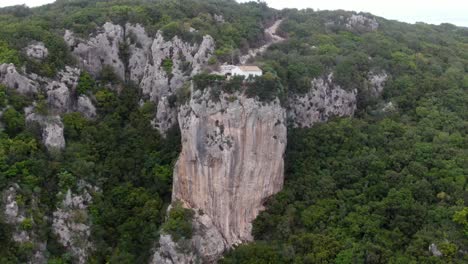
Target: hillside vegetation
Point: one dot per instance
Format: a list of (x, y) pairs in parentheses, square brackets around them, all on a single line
[(380, 188)]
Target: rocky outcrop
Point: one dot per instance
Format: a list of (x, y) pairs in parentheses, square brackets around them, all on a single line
[(377, 83), (71, 223), (37, 51), (205, 246), (20, 218), (324, 100), (434, 250), (231, 161), (361, 23), (52, 130), (159, 66), (10, 77), (60, 99), (327, 99), (86, 107), (100, 50), (357, 23)]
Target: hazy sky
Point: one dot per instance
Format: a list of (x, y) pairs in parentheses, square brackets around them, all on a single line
[(429, 11)]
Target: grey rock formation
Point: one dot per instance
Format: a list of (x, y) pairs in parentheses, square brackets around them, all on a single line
[(100, 50), (324, 100), (15, 215), (205, 246), (86, 107), (58, 96), (52, 130), (435, 250), (166, 116), (60, 99), (71, 223), (37, 51), (361, 23), (10, 77), (231, 161), (377, 83), (219, 19), (146, 56)]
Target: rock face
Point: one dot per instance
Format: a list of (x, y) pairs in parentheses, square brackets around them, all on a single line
[(100, 50), (60, 99), (362, 23), (158, 66), (357, 23), (37, 51), (10, 77), (206, 245), (21, 219), (231, 161), (71, 223), (377, 83), (435, 250), (52, 129), (324, 100)]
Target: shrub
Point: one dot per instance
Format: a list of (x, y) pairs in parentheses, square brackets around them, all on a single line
[(179, 222), (204, 80), (85, 83)]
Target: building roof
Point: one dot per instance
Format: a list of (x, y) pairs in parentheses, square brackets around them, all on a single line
[(249, 68)]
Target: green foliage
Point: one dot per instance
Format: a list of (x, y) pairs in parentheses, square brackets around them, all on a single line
[(86, 83), (8, 55), (14, 121), (179, 222), (377, 189), (167, 65), (266, 87)]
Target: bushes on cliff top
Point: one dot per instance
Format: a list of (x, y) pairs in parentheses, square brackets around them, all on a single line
[(266, 88), (179, 222)]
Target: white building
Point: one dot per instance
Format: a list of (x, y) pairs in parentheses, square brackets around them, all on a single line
[(246, 71)]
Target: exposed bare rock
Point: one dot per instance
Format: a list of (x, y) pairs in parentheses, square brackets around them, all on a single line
[(435, 250), (69, 77), (166, 116), (231, 161), (140, 45), (219, 19), (377, 83), (52, 130), (205, 246), (37, 51), (86, 107), (69, 38), (146, 56), (71, 223), (58, 96), (10, 77), (15, 215), (100, 50), (361, 23), (324, 100)]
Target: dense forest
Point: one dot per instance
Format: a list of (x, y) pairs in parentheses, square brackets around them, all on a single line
[(379, 188)]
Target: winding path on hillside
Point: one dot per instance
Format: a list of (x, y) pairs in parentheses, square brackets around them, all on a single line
[(272, 39)]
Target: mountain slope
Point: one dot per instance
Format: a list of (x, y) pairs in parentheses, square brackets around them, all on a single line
[(99, 99)]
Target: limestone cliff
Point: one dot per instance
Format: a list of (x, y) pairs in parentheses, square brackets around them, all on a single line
[(60, 97), (231, 161), (71, 223), (324, 99), (159, 66), (20, 216)]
